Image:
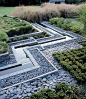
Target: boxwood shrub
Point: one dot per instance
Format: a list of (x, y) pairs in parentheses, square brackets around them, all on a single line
[(73, 61)]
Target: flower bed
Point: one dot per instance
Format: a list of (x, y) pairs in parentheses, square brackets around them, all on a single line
[(73, 61)]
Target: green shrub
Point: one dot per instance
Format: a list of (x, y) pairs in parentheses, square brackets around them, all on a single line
[(41, 36), (60, 22), (15, 39), (3, 47), (26, 37), (21, 38), (47, 35), (76, 27), (73, 62), (36, 37), (3, 36), (83, 16), (66, 25), (20, 30), (54, 20)]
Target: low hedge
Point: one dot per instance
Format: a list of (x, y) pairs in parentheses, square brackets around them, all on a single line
[(62, 91), (18, 39), (3, 47), (73, 61), (68, 25), (20, 30), (42, 36)]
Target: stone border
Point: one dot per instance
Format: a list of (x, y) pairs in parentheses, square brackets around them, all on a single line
[(48, 66), (4, 56), (36, 65), (53, 36), (12, 65)]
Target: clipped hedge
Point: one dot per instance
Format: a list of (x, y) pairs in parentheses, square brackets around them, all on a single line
[(3, 47), (62, 91), (73, 61), (20, 30)]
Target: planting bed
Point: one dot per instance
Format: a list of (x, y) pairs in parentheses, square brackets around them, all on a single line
[(14, 26), (73, 61)]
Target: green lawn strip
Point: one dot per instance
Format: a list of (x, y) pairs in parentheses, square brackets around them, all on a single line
[(62, 91), (6, 10), (9, 10), (73, 61), (69, 25)]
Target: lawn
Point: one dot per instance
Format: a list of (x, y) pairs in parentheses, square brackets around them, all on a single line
[(8, 10)]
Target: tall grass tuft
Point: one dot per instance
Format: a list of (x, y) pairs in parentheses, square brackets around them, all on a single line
[(47, 11)]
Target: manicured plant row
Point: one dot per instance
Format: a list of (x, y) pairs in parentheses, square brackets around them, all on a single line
[(3, 47), (73, 61), (18, 39), (42, 36), (69, 25), (14, 26), (62, 91)]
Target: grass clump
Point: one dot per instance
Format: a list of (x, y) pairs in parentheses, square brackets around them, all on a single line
[(47, 11)]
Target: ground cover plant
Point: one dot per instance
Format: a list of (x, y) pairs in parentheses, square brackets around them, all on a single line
[(73, 61), (62, 91), (14, 26), (47, 11), (69, 25)]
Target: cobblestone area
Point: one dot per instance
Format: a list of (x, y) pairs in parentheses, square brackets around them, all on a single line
[(45, 67), (26, 89), (12, 59)]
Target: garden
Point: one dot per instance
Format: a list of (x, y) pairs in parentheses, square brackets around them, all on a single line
[(56, 74), (62, 91), (73, 61)]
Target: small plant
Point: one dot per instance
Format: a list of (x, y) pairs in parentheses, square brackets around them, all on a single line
[(15, 39), (47, 35), (26, 37), (41, 36), (21, 38), (36, 37)]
